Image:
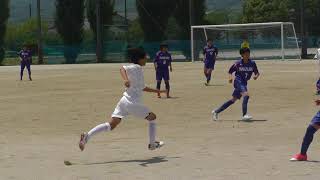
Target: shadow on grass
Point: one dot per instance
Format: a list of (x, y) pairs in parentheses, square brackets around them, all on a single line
[(141, 162)]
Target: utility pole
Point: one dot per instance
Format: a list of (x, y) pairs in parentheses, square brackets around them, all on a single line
[(99, 31), (40, 53), (30, 10), (304, 50), (191, 12), (125, 12)]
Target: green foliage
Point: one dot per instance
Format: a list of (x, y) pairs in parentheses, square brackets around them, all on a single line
[(223, 17), (107, 11), (25, 33), (69, 21), (256, 11), (4, 15), (311, 15), (135, 32), (153, 18)]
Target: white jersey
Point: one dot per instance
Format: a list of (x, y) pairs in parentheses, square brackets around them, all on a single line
[(136, 79), (317, 56)]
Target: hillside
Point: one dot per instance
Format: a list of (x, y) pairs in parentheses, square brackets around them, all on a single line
[(20, 8)]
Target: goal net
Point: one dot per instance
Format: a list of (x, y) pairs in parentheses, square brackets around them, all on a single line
[(274, 40)]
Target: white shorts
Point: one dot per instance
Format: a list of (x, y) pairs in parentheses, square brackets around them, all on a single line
[(126, 107)]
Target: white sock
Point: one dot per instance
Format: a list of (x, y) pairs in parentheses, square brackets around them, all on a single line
[(152, 132), (101, 127)]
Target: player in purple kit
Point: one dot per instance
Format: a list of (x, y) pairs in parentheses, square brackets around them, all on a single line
[(210, 52), (313, 127), (25, 61), (243, 69), (162, 63)]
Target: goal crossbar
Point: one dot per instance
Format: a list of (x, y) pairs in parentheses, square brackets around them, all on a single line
[(218, 27)]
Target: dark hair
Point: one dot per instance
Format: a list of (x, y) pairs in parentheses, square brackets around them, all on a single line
[(209, 39), (163, 45), (135, 54), (244, 50)]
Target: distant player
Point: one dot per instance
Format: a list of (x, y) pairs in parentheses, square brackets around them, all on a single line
[(308, 137), (25, 56), (243, 69), (210, 52), (162, 64), (130, 103)]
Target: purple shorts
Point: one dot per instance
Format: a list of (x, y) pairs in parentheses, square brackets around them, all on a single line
[(25, 64), (238, 89), (162, 75)]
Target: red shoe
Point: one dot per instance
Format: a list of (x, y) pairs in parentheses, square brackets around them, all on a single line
[(299, 157)]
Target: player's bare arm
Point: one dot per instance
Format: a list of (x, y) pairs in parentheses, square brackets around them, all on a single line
[(230, 78), (256, 76), (124, 77), (155, 66), (170, 67)]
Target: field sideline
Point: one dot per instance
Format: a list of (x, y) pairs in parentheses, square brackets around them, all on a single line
[(41, 122)]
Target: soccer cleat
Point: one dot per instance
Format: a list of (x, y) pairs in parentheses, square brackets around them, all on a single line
[(246, 117), (299, 157), (156, 145), (83, 141), (206, 84), (214, 115)]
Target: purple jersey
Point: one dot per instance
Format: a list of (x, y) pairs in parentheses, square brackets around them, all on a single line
[(243, 71), (210, 53), (25, 55), (163, 60)]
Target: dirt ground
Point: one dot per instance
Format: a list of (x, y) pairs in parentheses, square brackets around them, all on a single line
[(40, 124)]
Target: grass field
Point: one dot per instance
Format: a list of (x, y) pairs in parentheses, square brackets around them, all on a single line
[(40, 124)]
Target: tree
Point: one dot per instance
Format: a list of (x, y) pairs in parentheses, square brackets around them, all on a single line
[(107, 12), (182, 14), (69, 21), (256, 11), (4, 15), (153, 18)]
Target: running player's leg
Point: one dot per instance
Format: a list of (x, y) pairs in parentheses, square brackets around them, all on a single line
[(245, 94), (209, 72), (119, 113), (22, 66), (159, 79), (235, 96), (166, 77), (29, 70), (205, 72), (226, 105), (141, 111), (308, 138)]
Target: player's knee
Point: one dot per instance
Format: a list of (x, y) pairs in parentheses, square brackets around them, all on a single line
[(244, 94), (316, 126), (234, 99), (114, 123), (151, 117)]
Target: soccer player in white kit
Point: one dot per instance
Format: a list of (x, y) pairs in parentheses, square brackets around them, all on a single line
[(130, 103)]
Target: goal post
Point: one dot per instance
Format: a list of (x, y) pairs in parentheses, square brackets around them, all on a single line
[(271, 40)]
